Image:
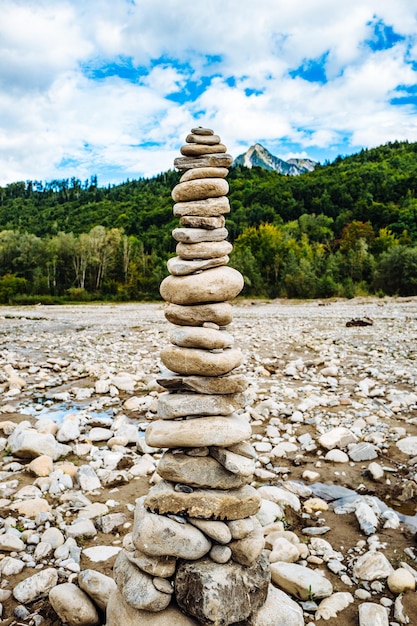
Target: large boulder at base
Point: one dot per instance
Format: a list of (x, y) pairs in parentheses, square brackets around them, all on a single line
[(218, 596)]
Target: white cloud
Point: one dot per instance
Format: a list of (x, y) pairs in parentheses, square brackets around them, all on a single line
[(59, 118)]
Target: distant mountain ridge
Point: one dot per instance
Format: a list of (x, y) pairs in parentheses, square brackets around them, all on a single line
[(258, 156)]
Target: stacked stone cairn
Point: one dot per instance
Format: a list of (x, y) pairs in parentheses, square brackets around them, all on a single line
[(195, 534)]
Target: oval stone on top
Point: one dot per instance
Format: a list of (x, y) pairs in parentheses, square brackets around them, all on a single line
[(215, 285)]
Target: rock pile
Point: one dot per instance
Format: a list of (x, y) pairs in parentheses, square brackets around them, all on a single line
[(195, 534)]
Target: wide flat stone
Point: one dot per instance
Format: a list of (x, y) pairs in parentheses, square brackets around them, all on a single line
[(200, 362), (300, 581), (196, 221), (338, 437), (211, 207), (197, 235), (182, 267), (203, 503), (209, 140), (209, 160), (205, 384), (235, 463), (137, 587), (198, 472), (204, 172), (200, 149), (203, 250), (200, 431), (173, 405), (158, 535), (221, 595), (200, 189), (199, 337), (220, 313)]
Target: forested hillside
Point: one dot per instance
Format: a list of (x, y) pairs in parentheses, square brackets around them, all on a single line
[(347, 228)]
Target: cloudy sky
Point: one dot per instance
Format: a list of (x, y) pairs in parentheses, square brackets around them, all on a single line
[(112, 87)]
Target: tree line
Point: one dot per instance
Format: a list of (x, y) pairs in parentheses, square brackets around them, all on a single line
[(347, 228)]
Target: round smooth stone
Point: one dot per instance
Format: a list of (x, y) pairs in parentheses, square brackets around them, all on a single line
[(199, 337), (200, 149), (200, 130), (215, 285), (193, 361), (200, 189), (220, 554), (203, 250), (220, 159), (211, 207), (207, 139), (220, 313), (204, 172), (180, 267), (198, 235), (210, 223)]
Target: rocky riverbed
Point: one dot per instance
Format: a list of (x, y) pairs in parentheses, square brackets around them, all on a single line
[(332, 402)]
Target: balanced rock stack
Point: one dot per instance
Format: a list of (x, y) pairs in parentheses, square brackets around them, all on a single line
[(195, 534)]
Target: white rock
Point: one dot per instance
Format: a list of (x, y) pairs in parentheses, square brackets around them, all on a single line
[(367, 519), (278, 610), (100, 434), (372, 614), (338, 437), (99, 554), (280, 496), (331, 606), (372, 565), (269, 512), (70, 428), (36, 586), (376, 470), (88, 478), (401, 580), (300, 581), (408, 445), (30, 443), (10, 543), (336, 456), (73, 606), (10, 566), (97, 586)]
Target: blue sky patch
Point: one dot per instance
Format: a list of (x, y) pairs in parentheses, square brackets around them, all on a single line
[(383, 36), (312, 70)]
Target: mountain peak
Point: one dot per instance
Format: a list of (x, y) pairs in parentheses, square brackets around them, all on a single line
[(258, 156)]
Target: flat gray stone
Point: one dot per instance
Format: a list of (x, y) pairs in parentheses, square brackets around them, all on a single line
[(173, 405), (199, 337), (362, 451), (209, 140), (198, 221), (220, 313), (235, 463), (203, 503), (203, 250), (198, 235), (181, 267), (211, 160), (199, 362), (205, 384), (200, 149), (211, 207), (200, 431), (198, 472)]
